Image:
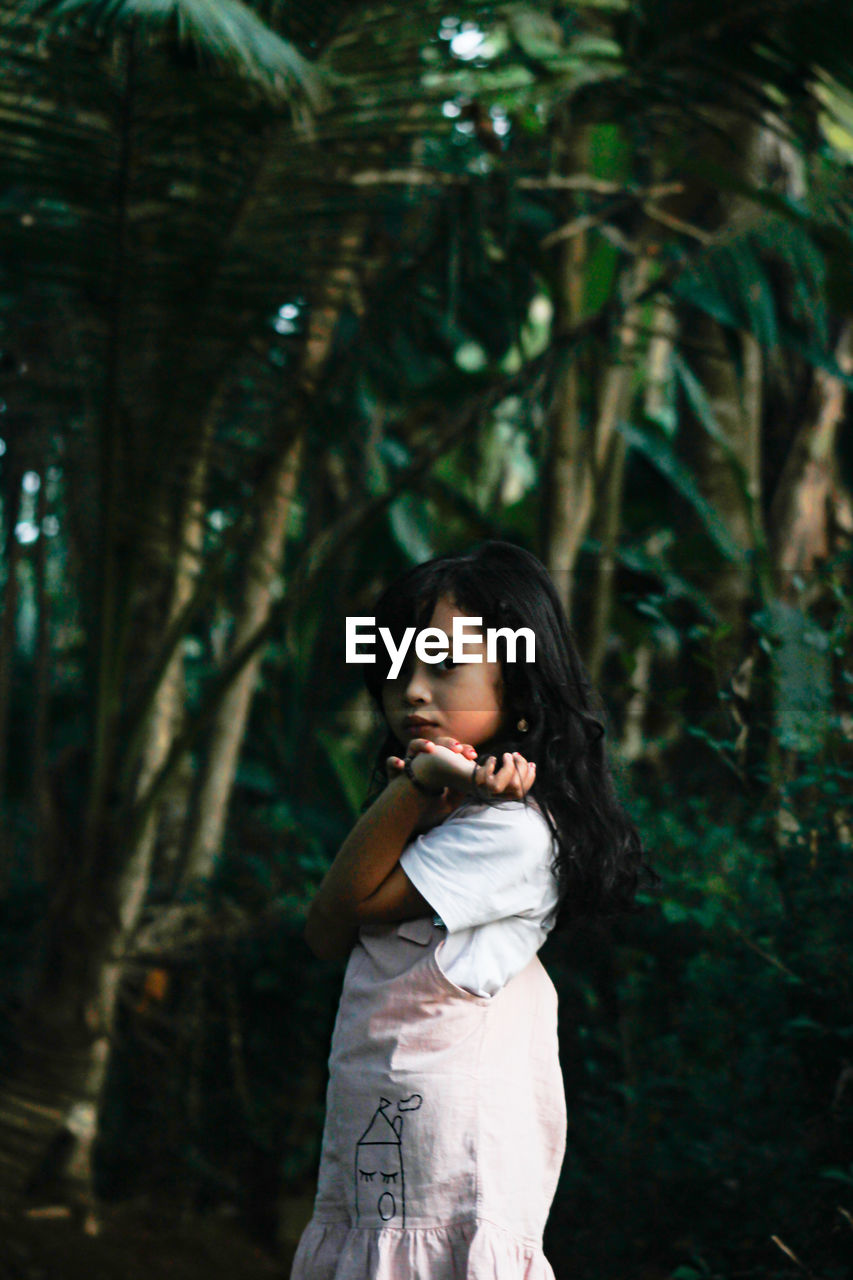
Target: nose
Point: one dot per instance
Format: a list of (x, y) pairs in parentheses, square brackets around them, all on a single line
[(417, 686)]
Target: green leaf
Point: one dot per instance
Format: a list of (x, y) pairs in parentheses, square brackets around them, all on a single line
[(804, 1023), (346, 770), (731, 278), (641, 560), (701, 406), (662, 456), (409, 520), (675, 912), (536, 32)]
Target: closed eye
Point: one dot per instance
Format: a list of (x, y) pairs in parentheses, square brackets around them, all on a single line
[(389, 1177)]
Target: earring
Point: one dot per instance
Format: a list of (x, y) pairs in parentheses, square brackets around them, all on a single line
[(522, 725)]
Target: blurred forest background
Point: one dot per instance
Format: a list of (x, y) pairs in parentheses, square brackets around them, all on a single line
[(293, 296)]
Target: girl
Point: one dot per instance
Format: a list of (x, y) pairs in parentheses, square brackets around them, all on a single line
[(493, 821)]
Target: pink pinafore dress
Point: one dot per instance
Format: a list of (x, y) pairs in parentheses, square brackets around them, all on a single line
[(445, 1121)]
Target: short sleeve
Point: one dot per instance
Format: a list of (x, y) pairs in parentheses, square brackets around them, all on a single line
[(482, 864)]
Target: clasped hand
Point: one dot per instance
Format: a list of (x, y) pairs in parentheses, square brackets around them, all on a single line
[(449, 766)]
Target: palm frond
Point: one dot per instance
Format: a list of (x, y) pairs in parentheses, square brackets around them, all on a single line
[(226, 32), (768, 279), (663, 457)]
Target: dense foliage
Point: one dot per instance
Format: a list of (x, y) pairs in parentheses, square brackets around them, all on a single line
[(293, 297)]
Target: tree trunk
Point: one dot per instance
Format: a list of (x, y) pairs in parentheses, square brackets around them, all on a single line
[(568, 477), (62, 1044), (11, 507), (51, 1090), (659, 398), (264, 565), (580, 459), (810, 506), (167, 713), (40, 789), (614, 406), (229, 726), (810, 514), (734, 400), (736, 410)]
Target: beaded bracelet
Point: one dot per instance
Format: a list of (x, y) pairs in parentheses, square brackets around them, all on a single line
[(410, 774)]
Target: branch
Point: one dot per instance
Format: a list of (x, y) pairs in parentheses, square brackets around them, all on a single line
[(110, 439), (315, 560), (177, 629), (549, 182)]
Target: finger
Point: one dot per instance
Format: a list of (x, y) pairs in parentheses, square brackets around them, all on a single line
[(507, 768), (511, 766), (489, 772), (525, 779), (481, 772), (497, 777), (522, 766), (419, 744), (392, 766), (513, 760), (526, 774)]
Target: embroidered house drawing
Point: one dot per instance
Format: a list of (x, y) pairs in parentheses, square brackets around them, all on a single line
[(380, 1188)]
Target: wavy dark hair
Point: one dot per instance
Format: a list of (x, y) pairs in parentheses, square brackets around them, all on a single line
[(599, 851)]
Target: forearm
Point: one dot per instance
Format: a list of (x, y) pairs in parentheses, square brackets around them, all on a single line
[(363, 863)]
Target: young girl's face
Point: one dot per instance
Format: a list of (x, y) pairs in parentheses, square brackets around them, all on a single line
[(460, 701)]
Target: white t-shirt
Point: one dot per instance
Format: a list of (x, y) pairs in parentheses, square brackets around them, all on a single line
[(488, 874)]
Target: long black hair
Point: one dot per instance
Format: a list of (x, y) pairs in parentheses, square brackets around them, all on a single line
[(599, 850)]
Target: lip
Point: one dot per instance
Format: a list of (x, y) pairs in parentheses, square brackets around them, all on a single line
[(415, 722)]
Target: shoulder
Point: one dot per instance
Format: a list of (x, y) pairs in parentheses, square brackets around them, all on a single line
[(513, 820), (507, 813)]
